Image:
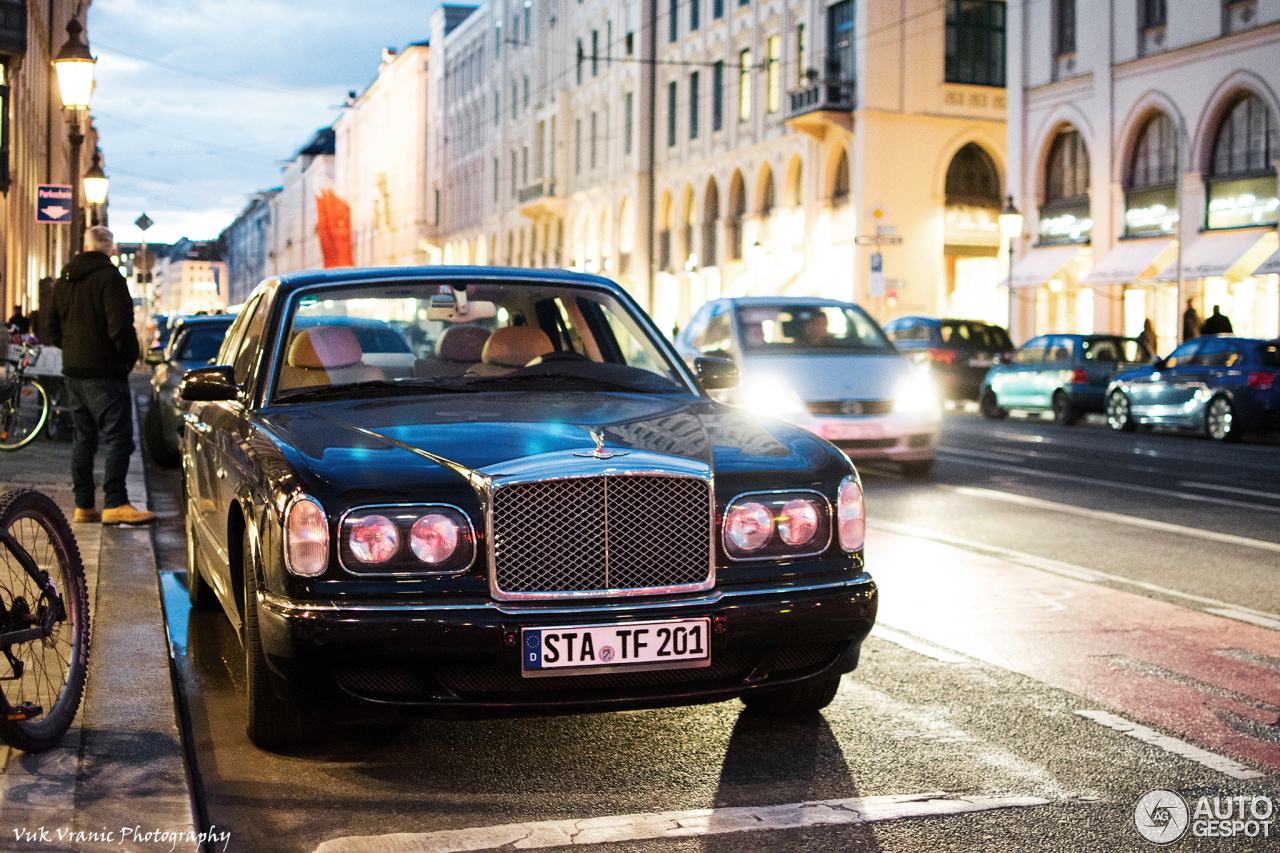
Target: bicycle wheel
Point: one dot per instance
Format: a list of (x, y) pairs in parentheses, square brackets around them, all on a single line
[(42, 679), (23, 415)]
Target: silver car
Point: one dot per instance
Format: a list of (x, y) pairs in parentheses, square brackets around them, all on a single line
[(826, 366)]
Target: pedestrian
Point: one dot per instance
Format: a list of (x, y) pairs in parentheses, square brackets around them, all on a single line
[(1148, 336), (1216, 323), (92, 320), (1190, 322), (18, 323)]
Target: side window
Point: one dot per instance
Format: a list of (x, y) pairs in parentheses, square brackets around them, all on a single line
[(1181, 357), (715, 339), (1060, 350), (230, 344), (1219, 353), (1032, 351), (247, 347), (693, 332)]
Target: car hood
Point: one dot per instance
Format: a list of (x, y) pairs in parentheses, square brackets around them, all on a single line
[(384, 444), (831, 377)]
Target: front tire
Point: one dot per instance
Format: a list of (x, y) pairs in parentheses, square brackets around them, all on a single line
[(1220, 420), (797, 699), (199, 592), (1064, 412), (1120, 412), (990, 408)]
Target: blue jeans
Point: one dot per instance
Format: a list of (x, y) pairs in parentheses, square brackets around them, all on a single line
[(100, 405)]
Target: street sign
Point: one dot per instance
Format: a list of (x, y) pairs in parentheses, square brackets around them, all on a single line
[(878, 240), (143, 222), (883, 230), (877, 274), (53, 204)]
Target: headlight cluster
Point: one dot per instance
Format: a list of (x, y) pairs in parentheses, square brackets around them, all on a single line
[(851, 515), (915, 393), (396, 540), (306, 538), (773, 525)]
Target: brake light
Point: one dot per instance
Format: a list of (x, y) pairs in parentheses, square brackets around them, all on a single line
[(1079, 377), (1261, 380), (944, 356)]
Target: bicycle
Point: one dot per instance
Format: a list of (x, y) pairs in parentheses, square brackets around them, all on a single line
[(44, 622), (24, 407)]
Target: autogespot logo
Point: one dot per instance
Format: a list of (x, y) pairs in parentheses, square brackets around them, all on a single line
[(1161, 817)]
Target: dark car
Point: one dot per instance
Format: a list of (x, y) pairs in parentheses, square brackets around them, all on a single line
[(545, 513), (193, 342), (1221, 385), (957, 352), (1067, 374)]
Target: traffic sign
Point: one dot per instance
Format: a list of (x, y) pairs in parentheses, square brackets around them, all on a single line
[(877, 274), (878, 240), (53, 204), (143, 222)]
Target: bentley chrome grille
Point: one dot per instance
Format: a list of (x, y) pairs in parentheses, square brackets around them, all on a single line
[(627, 534)]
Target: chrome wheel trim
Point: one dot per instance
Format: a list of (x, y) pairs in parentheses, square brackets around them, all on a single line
[(1117, 410), (1218, 419)]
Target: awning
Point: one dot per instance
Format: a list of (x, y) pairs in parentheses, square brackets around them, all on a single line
[(1271, 266), (1039, 265), (1226, 254), (1131, 260)]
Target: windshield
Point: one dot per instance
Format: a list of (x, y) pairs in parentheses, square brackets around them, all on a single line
[(785, 329), (974, 335), (388, 338)]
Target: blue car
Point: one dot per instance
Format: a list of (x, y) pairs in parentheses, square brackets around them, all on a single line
[(1065, 374), (1219, 384)]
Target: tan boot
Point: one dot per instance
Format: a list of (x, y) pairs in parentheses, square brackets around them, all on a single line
[(87, 516), (126, 514)]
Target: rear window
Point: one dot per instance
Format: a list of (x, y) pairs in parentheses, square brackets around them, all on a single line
[(202, 343), (1115, 349), (976, 335), (1269, 355), (782, 329)]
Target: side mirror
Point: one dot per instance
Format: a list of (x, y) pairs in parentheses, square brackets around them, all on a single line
[(154, 357), (1006, 358), (716, 373), (1157, 362), (204, 384)]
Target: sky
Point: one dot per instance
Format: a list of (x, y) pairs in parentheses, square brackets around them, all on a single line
[(199, 103)]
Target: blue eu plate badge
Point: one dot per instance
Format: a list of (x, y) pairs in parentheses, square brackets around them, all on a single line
[(532, 649)]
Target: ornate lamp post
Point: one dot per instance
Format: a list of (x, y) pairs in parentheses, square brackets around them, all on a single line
[(95, 186), (1011, 228), (74, 65)]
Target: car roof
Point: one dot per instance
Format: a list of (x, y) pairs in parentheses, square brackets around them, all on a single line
[(204, 319), (785, 300), (351, 275)]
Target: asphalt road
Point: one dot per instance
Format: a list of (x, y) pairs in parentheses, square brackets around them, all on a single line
[(1071, 619)]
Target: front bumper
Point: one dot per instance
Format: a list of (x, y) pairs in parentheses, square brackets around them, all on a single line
[(465, 659), (899, 437)]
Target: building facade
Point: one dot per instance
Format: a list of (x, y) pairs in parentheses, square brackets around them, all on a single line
[(244, 246), (1143, 152), (190, 278), (295, 244), (700, 147)]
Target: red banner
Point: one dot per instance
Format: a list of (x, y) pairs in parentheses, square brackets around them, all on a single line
[(333, 225)]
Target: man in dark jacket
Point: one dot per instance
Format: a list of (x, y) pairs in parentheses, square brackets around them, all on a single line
[(1216, 323), (92, 321)]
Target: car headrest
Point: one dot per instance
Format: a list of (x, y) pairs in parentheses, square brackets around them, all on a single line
[(462, 343), (324, 346), (516, 346)]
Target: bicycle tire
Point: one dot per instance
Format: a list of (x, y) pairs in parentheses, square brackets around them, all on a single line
[(54, 668), (22, 416)]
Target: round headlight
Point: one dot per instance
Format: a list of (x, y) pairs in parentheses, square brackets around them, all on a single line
[(434, 538), (798, 522), (749, 526), (374, 539), (306, 540), (852, 515)]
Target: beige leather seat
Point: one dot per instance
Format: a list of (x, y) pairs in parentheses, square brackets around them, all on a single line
[(457, 349), (509, 348), (325, 355)]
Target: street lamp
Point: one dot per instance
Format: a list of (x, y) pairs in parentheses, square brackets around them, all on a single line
[(95, 184), (74, 65), (1010, 228)]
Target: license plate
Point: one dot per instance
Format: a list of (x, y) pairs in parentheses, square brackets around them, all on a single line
[(634, 646), (981, 361)]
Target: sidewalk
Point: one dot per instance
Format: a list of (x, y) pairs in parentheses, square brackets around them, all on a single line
[(118, 781)]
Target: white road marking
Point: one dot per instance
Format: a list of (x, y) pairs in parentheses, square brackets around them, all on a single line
[(1117, 518), (914, 645), (1112, 484), (1233, 489), (1219, 608), (1212, 760), (681, 824)]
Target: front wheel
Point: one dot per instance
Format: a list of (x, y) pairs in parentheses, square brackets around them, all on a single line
[(1120, 412), (797, 699), (990, 408), (42, 678), (1220, 420), (23, 414)]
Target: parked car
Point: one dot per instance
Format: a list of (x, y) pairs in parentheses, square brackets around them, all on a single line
[(1067, 374), (826, 366), (958, 352), (1219, 384), (193, 343), (547, 514)]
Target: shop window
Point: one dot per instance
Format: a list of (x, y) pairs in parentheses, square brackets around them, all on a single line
[(1242, 185), (1150, 198), (1065, 215)]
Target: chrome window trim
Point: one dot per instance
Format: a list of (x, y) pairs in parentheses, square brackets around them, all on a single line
[(831, 525), (475, 544), (650, 464)]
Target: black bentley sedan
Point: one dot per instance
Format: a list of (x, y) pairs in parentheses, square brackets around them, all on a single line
[(468, 491)]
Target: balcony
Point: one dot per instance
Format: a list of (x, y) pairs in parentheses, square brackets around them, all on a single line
[(539, 201), (815, 110)]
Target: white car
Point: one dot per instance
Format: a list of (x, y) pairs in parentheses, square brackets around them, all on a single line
[(826, 366)]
